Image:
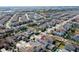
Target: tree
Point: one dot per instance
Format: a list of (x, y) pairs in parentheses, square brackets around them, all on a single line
[(72, 30)]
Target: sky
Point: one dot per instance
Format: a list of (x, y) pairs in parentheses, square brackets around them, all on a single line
[(39, 2)]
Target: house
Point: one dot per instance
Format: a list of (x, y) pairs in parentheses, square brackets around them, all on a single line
[(9, 30), (10, 40), (59, 32), (62, 50), (76, 37), (50, 46), (2, 33), (2, 26), (24, 47), (70, 47), (67, 26)]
